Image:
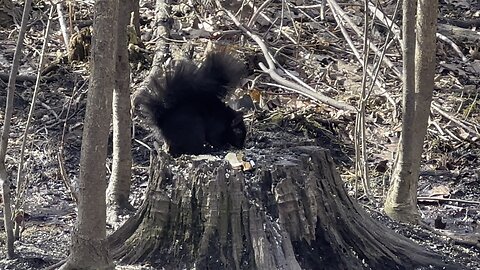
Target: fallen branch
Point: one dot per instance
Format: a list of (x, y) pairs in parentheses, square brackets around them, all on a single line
[(440, 199), (303, 90), (436, 107), (340, 15)]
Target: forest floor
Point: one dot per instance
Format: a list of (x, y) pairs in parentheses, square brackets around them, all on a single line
[(449, 186)]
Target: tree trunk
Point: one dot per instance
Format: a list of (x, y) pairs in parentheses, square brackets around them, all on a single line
[(88, 245), (291, 212), (401, 201), (425, 53), (118, 189)]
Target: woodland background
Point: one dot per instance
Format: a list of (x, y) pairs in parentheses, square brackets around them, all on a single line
[(310, 48)]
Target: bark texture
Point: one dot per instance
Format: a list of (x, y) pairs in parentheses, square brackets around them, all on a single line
[(424, 72), (163, 24), (419, 31), (401, 201), (89, 248), (118, 189), (291, 212)]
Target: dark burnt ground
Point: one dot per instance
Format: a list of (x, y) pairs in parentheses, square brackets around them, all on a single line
[(450, 165)]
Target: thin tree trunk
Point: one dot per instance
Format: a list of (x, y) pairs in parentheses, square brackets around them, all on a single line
[(119, 186), (401, 201), (424, 74), (4, 181), (89, 249)]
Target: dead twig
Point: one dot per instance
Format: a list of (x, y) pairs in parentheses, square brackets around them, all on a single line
[(453, 45), (439, 199), (337, 14), (64, 175), (4, 182), (436, 107), (257, 12), (63, 27), (303, 90), (336, 9), (397, 32), (20, 179), (19, 78), (464, 239)]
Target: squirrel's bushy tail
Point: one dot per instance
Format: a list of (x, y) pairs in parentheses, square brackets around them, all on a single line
[(219, 73), (186, 108), (189, 84)]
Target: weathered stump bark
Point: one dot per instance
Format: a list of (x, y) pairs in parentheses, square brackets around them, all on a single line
[(291, 212)]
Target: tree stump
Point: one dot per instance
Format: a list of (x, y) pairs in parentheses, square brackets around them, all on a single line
[(290, 212)]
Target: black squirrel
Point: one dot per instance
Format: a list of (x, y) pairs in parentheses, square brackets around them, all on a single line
[(186, 108)]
